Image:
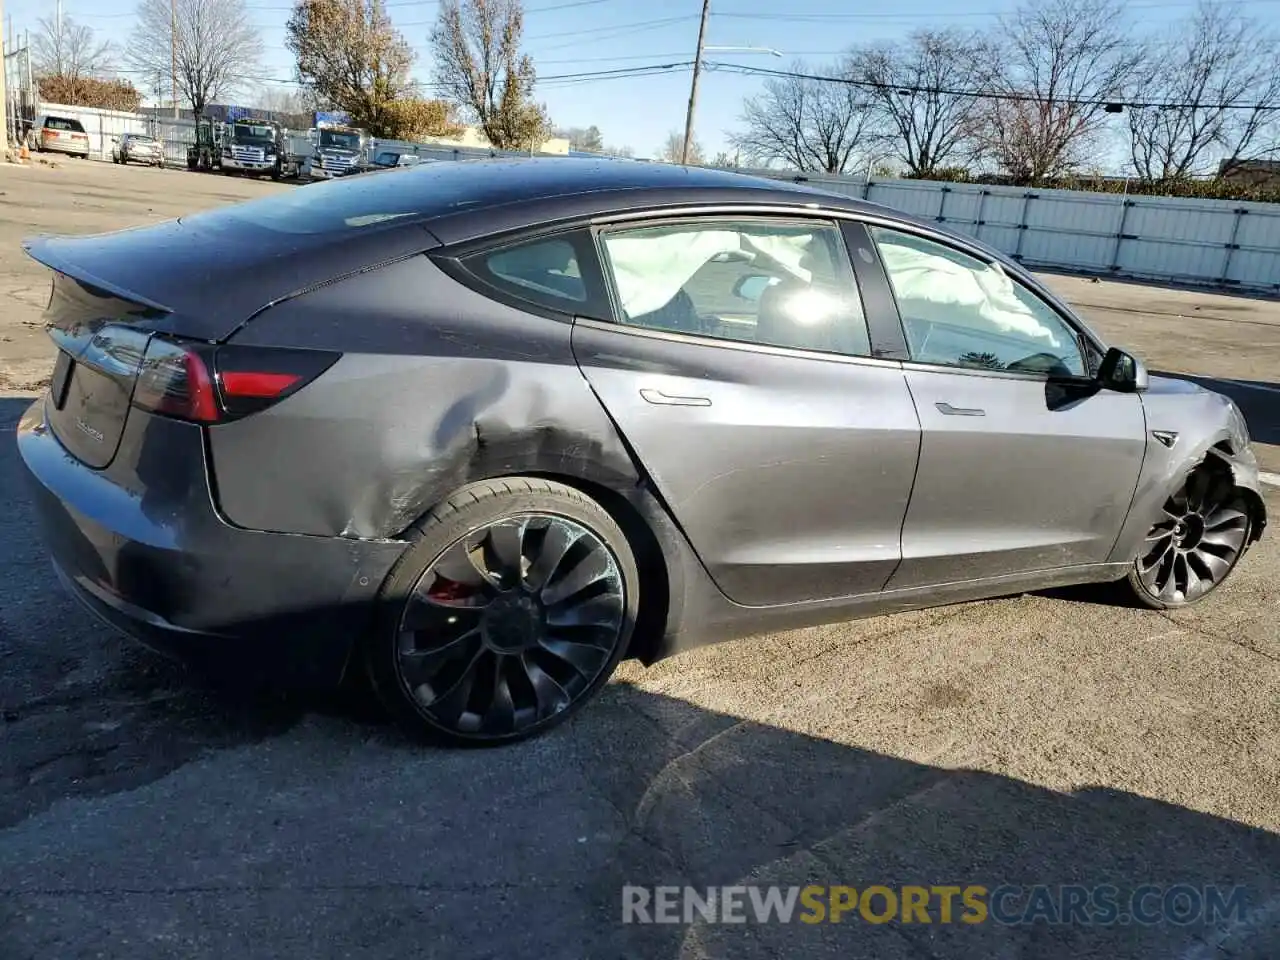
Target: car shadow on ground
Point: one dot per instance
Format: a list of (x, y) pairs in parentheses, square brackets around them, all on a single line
[(147, 813), (1258, 400)]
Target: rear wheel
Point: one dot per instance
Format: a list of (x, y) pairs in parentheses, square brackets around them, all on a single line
[(1192, 549), (510, 612)]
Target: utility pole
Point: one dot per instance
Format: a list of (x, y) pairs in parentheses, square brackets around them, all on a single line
[(693, 89), (31, 83), (173, 54), (10, 122), (4, 93)]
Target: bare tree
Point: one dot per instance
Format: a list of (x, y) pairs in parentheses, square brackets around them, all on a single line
[(673, 149), (479, 66), (1216, 72), (276, 99), (217, 48), (916, 87), (810, 124), (586, 139), (349, 55), (1056, 66), (71, 51)]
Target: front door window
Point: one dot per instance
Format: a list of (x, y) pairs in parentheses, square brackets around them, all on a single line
[(958, 311)]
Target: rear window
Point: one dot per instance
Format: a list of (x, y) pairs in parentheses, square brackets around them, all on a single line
[(426, 190), (139, 138), (348, 204), (62, 123)]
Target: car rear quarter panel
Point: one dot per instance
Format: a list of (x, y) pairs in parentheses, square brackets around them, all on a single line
[(437, 387)]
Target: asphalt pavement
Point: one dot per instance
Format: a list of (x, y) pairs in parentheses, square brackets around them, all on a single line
[(1035, 740), (1048, 740)]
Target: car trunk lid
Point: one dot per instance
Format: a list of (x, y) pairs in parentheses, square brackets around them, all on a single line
[(204, 276), (198, 280), (99, 356)]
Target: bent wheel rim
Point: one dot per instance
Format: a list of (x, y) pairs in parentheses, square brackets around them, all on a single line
[(1197, 541), (510, 625)]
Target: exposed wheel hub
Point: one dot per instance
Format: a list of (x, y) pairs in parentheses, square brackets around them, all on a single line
[(1188, 531)]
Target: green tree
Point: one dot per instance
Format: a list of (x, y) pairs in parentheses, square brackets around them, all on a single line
[(479, 66), (350, 54)]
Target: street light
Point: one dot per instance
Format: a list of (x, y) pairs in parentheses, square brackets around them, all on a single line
[(769, 50), (697, 71)]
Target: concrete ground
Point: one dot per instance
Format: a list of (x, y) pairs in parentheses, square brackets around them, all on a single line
[(1040, 739)]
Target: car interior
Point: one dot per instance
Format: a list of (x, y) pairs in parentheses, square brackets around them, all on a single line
[(744, 293)]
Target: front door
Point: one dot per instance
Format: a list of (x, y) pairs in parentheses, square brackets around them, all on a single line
[(740, 372), (1025, 465)]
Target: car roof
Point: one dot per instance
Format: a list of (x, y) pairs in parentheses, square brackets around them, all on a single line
[(466, 199)]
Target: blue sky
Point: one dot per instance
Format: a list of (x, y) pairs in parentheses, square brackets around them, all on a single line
[(567, 37)]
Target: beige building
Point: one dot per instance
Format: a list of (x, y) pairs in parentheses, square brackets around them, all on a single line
[(474, 138)]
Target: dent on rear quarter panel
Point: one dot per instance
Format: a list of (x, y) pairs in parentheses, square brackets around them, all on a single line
[(438, 386)]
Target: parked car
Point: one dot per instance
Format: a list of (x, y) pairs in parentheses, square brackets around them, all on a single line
[(484, 429), (138, 148), (392, 158), (61, 135)]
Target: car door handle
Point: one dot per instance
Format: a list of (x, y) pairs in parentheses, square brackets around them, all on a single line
[(951, 411), (666, 400)]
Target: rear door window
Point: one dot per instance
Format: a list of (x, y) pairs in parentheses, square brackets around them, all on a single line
[(559, 273), (545, 269)]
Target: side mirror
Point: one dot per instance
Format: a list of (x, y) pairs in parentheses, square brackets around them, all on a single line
[(1122, 372), (753, 286)]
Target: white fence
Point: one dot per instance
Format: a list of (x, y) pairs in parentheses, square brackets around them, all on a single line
[(1222, 243), (105, 126)]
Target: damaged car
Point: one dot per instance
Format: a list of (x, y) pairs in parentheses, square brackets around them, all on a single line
[(479, 431)]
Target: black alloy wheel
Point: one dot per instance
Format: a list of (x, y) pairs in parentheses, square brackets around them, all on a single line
[(1194, 546), (513, 610)]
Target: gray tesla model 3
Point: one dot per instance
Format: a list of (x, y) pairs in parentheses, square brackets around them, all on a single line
[(483, 429)]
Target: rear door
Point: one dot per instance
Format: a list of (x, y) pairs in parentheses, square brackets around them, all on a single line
[(1025, 464), (741, 370)]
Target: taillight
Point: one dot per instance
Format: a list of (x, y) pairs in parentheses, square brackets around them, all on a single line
[(206, 384), (250, 379), (175, 380)]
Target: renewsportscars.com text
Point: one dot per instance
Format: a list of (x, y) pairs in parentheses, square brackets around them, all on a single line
[(1011, 905)]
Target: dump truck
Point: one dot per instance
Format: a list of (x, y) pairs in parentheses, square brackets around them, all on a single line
[(246, 146), (339, 150)]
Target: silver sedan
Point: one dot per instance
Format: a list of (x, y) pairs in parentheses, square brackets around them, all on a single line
[(138, 148)]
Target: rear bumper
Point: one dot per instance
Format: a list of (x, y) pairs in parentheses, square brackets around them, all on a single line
[(142, 545), (72, 149)]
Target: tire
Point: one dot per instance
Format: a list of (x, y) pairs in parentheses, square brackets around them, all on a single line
[(1203, 531), (535, 642)]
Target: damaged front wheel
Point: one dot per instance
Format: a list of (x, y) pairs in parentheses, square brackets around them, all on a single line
[(1202, 532), (510, 612)]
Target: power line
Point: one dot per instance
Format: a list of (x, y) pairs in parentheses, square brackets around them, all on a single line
[(964, 14), (633, 26), (561, 78), (1012, 96)]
